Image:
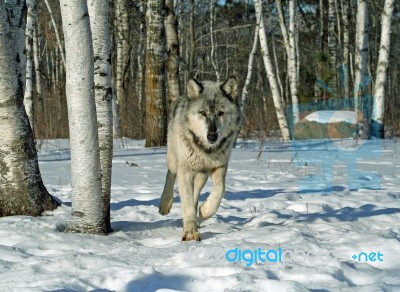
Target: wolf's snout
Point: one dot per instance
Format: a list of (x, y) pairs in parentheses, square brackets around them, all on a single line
[(212, 137)]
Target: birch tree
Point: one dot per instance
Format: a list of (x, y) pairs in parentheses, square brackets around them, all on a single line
[(99, 12), (30, 25), (346, 48), (332, 48), (250, 67), (361, 61), (171, 32), (280, 113), (85, 160), (213, 54), (22, 191), (156, 114), (289, 40), (377, 123)]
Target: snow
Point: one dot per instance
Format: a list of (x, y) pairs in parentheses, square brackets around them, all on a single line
[(330, 116), (320, 202)]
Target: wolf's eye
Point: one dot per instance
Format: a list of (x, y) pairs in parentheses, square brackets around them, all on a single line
[(221, 113), (203, 113)]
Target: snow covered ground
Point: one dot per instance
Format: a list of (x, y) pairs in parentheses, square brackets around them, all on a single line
[(329, 116), (327, 214)]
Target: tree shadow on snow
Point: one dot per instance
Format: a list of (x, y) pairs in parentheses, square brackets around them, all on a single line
[(254, 194), (144, 226), (343, 214), (243, 195)]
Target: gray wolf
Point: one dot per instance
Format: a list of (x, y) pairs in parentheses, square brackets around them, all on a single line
[(201, 132)]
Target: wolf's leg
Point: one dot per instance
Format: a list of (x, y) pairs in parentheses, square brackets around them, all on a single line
[(211, 205), (199, 181), (185, 186), (168, 194)]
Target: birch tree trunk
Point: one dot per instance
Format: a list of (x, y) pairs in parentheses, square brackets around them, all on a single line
[(361, 61), (156, 114), (250, 67), (332, 40), (293, 60), (346, 48), (191, 46), (213, 55), (289, 40), (30, 24), (271, 74), (22, 191), (87, 210), (38, 88), (171, 32), (378, 112), (36, 62), (99, 12)]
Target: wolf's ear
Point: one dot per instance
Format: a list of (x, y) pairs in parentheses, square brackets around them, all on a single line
[(194, 88), (229, 87)]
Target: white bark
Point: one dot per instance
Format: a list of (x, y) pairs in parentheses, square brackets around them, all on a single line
[(346, 47), (21, 187), (99, 12), (271, 74), (213, 54), (332, 45), (278, 71), (30, 24), (36, 63), (293, 60), (85, 160), (378, 111), (361, 58), (289, 40), (17, 30), (249, 68), (171, 32)]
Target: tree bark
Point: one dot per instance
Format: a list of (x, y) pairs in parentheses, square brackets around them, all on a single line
[(346, 48), (361, 64), (378, 112), (87, 212), (174, 90), (213, 54), (271, 74), (249, 68), (156, 114), (22, 191), (332, 48), (28, 96), (289, 40), (99, 12)]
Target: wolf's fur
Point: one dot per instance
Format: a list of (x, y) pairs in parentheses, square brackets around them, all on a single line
[(202, 129)]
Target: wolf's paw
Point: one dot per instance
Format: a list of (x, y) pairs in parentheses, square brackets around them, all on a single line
[(193, 235), (164, 208), (164, 211)]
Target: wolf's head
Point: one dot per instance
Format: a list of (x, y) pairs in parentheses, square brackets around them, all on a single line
[(213, 111)]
